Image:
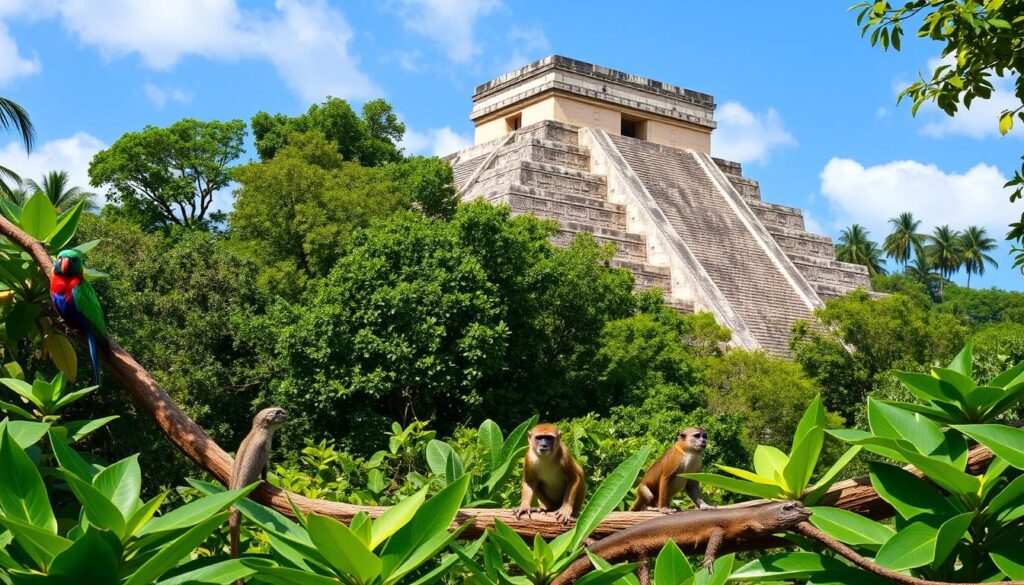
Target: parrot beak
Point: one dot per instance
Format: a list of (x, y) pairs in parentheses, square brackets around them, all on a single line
[(64, 265)]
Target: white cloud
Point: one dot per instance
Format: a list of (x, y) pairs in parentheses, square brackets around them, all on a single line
[(449, 23), (307, 41), (12, 63), (528, 44), (436, 141), (70, 154), (871, 195), (746, 136), (161, 95)]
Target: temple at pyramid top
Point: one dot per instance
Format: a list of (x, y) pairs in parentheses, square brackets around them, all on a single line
[(628, 161), (565, 90)]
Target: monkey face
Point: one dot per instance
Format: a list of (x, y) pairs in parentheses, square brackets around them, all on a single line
[(696, 438), (544, 444)]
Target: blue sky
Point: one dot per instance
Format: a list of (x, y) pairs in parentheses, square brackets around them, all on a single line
[(805, 103)]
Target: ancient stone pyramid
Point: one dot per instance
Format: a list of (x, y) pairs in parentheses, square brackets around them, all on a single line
[(627, 159)]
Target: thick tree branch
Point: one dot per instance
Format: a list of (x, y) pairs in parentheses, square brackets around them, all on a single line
[(855, 495)]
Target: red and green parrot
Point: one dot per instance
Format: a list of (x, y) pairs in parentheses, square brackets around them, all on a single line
[(76, 302)]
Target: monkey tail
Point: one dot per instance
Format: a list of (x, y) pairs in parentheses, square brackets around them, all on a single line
[(233, 522)]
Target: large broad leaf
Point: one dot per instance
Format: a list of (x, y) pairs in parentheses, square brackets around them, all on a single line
[(343, 549), (719, 572), (929, 388), (769, 461), (783, 566), (27, 433), (949, 535), (422, 554), (1008, 503), (1008, 554), (491, 441), (438, 453), (67, 223), (513, 546), (671, 566), (90, 559), (433, 517), (122, 484), (171, 554), (38, 217), (514, 440), (945, 474), (69, 459), (896, 423), (812, 424), (802, 461), (744, 474), (79, 429), (395, 518), (286, 576), (607, 576), (62, 354), (212, 570), (100, 510), (1006, 442), (963, 362), (143, 514), (270, 520), (738, 486), (909, 494), (40, 544), (913, 546), (22, 492), (608, 495), (21, 319), (195, 512), (830, 476), (848, 527)]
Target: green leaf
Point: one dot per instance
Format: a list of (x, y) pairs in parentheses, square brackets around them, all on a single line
[(607, 576), (20, 321), (100, 510), (913, 546), (671, 567), (739, 486), (423, 553), (171, 553), (79, 429), (194, 512), (1003, 440), (142, 515), (285, 576), (89, 559), (395, 517), (744, 474), (720, 572), (491, 441), (1008, 378), (608, 495), (11, 210), (783, 566), (1007, 500), (945, 475), (801, 464), (433, 517), (22, 492), (515, 439), (1008, 554), (929, 388), (87, 246), (66, 226), (889, 421), (437, 456), (513, 546), (22, 388), (223, 571), (27, 433), (343, 549), (830, 476), (848, 527), (909, 494), (40, 544), (121, 483), (949, 535), (769, 461), (38, 217), (69, 459), (963, 361)]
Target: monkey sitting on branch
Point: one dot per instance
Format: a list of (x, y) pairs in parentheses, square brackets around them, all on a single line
[(551, 476), (662, 482)]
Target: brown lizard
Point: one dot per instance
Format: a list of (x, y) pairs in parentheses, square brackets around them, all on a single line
[(251, 460), (688, 530)]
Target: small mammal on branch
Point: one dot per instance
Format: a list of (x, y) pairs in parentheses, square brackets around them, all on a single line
[(662, 482), (251, 460), (551, 476), (689, 530)]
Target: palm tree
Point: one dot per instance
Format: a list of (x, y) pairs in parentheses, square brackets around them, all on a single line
[(56, 187), (904, 238), (14, 116), (945, 250), (855, 247), (975, 243)]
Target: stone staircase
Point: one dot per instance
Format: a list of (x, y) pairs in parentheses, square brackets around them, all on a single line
[(542, 170)]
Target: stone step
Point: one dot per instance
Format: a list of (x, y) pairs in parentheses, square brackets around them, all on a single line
[(750, 189), (544, 151), (800, 242), (772, 214), (831, 291), (680, 305), (832, 272), (543, 176), (552, 130), (563, 207), (647, 276), (630, 247)]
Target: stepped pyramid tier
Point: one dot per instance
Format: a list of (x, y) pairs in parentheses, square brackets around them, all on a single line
[(628, 160)]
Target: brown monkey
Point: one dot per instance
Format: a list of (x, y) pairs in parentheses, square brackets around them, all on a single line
[(551, 476), (662, 481)]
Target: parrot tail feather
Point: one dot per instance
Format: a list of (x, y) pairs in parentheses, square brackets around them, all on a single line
[(94, 355)]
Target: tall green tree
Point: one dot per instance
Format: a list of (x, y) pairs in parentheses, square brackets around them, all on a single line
[(56, 185), (946, 253), (982, 43), (13, 116), (856, 247), (976, 244), (903, 241), (168, 176), (371, 139)]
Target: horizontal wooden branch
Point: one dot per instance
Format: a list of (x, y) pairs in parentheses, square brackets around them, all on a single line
[(855, 495)]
